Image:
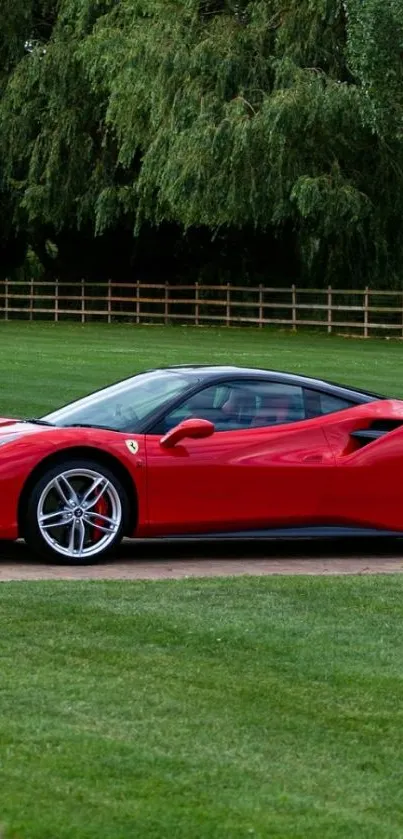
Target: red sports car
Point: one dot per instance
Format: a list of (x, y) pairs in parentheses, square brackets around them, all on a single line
[(202, 451)]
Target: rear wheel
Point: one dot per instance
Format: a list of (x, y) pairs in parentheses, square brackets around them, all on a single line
[(76, 512)]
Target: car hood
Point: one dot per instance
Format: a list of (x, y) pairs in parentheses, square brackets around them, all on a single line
[(12, 427)]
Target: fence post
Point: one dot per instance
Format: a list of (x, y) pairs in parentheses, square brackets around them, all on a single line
[(109, 302), (228, 306), (82, 301), (137, 301), (366, 301), (197, 306), (294, 308), (329, 308), (31, 298), (166, 303), (260, 305), (56, 300), (6, 299)]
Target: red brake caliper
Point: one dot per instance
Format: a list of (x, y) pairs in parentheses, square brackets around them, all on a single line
[(100, 507)]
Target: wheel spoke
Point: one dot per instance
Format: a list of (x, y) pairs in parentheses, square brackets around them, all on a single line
[(65, 490), (45, 517), (72, 540), (53, 519), (101, 485), (95, 484), (81, 536), (89, 514), (97, 526)]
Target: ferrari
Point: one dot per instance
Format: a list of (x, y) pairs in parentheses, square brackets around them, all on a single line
[(201, 451)]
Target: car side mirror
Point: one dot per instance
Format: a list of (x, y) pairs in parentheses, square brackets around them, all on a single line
[(196, 429)]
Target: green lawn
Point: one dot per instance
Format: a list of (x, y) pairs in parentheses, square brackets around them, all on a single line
[(199, 709), (214, 709), (43, 365)]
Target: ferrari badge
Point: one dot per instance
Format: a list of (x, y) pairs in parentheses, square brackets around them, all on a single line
[(133, 446)]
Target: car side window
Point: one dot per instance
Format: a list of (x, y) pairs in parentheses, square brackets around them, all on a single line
[(202, 405), (329, 403), (240, 405), (319, 403), (278, 404)]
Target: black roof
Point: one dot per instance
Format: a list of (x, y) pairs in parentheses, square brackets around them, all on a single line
[(210, 372)]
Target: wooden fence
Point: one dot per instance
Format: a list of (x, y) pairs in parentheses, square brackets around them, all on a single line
[(362, 311)]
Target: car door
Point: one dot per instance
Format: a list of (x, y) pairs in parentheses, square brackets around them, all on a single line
[(265, 465)]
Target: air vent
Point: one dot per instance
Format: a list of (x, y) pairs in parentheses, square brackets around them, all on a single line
[(386, 425), (376, 429)]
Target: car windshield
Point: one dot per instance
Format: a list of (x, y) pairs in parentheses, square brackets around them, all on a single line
[(126, 405)]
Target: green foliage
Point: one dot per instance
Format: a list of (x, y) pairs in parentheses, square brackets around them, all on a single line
[(212, 113), (376, 53), (23, 25)]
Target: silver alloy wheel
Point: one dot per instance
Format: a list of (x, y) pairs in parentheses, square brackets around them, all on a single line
[(69, 516)]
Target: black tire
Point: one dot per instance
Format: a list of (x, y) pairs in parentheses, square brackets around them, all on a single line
[(52, 541)]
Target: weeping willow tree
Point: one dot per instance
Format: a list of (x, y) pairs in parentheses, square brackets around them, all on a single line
[(283, 118), (23, 24)]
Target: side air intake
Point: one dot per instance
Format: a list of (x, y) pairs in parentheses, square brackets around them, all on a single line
[(377, 429)]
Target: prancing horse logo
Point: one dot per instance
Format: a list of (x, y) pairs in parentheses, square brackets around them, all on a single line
[(133, 446)]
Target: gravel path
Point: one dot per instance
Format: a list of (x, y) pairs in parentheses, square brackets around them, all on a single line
[(153, 560)]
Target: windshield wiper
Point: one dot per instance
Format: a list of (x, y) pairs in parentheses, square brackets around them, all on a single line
[(90, 425), (35, 421)]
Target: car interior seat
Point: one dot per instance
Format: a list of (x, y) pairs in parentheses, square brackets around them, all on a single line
[(273, 410), (239, 409)]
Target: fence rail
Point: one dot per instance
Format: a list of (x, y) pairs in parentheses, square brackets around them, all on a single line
[(361, 311)]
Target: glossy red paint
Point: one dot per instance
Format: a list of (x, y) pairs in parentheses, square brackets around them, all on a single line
[(307, 473), (194, 429), (238, 479), (366, 489), (35, 445)]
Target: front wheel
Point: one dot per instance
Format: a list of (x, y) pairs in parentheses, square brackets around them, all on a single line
[(76, 511)]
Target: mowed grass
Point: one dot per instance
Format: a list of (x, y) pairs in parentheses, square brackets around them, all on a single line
[(44, 365), (216, 708), (197, 709)]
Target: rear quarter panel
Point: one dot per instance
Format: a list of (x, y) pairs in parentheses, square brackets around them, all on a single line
[(367, 488)]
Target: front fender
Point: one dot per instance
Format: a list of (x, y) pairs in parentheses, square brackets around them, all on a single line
[(21, 457)]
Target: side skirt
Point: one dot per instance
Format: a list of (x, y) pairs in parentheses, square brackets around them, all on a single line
[(291, 533)]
